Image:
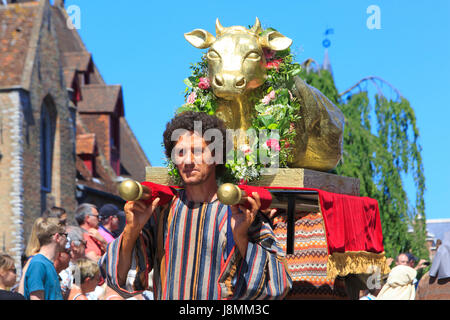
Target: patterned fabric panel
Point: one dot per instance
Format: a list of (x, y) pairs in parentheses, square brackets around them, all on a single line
[(308, 264)]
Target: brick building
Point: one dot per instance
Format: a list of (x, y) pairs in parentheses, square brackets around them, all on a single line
[(63, 135)]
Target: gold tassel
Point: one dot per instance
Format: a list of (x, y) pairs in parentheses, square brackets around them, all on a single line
[(356, 262)]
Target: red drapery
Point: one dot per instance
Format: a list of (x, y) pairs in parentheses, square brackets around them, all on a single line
[(352, 223)]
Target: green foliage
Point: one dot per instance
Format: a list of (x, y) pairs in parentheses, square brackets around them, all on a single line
[(378, 151)]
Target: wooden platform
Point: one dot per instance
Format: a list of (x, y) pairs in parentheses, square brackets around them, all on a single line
[(286, 177)]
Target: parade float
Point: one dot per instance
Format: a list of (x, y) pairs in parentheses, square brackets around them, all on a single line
[(287, 137)]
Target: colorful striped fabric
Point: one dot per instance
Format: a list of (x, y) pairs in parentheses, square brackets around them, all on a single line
[(308, 264), (186, 247)]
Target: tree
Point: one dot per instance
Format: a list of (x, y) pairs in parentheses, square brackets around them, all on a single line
[(380, 145)]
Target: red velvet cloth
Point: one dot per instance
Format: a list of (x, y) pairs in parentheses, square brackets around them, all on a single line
[(351, 223), (264, 195), (165, 193)]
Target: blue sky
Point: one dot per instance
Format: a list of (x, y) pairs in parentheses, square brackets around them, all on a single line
[(140, 45)]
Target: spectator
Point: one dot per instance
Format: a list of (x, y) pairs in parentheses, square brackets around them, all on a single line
[(41, 280), (122, 222), (402, 260), (62, 260), (412, 262), (109, 218), (76, 246), (87, 218), (33, 241), (31, 250), (87, 275), (77, 243), (56, 212), (8, 278), (399, 285), (435, 284)]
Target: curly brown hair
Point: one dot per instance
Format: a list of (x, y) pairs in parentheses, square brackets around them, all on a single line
[(186, 121)]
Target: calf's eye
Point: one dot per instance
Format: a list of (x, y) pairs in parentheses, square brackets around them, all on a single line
[(213, 55), (254, 56)]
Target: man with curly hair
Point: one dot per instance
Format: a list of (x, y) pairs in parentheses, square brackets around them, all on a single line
[(197, 247)]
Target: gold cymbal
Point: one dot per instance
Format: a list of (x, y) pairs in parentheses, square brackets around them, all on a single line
[(130, 190), (229, 194)]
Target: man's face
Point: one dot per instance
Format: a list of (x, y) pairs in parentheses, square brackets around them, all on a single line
[(193, 159), (115, 223), (62, 262), (77, 250), (92, 219), (402, 260)]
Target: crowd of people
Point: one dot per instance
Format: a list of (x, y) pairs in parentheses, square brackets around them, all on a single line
[(401, 283), (61, 261)]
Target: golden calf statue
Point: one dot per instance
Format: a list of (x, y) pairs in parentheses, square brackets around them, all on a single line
[(236, 65)]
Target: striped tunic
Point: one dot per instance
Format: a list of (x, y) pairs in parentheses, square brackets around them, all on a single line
[(186, 246)]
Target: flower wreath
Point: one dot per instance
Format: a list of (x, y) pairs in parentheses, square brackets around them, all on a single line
[(277, 111)]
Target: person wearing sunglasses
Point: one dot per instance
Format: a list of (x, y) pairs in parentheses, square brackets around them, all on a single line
[(88, 219), (41, 279)]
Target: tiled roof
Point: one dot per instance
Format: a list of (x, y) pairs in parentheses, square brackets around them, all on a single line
[(69, 76), (86, 143), (16, 25), (77, 60), (98, 98)]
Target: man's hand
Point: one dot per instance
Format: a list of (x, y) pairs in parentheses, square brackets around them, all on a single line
[(137, 214), (421, 264), (241, 220), (94, 233), (389, 261)]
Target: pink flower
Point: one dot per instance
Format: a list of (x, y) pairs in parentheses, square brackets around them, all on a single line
[(269, 97), (275, 64), (191, 98), (204, 83), (273, 144)]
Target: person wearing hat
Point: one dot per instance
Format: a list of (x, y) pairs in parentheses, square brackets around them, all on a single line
[(109, 221)]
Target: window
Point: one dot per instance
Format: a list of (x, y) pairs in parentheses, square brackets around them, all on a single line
[(47, 139)]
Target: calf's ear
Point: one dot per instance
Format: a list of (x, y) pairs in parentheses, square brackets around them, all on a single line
[(200, 38), (275, 41)]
